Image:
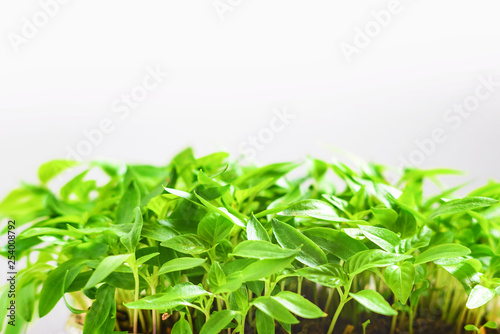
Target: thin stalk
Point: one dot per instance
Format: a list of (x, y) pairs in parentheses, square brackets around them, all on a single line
[(402, 316), (461, 320), (329, 300), (219, 304), (413, 311), (469, 316), (335, 317), (315, 294), (208, 306), (154, 313), (299, 285), (479, 315), (447, 302), (142, 320), (136, 296), (495, 309), (344, 298), (189, 318), (393, 323)]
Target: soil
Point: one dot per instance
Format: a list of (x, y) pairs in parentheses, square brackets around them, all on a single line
[(378, 325)]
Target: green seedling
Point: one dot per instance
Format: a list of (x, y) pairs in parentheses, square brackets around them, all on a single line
[(209, 245)]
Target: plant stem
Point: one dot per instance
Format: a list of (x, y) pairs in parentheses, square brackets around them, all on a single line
[(155, 324), (219, 305), (190, 319), (136, 294), (315, 294), (344, 298), (393, 324), (329, 300), (461, 320), (335, 317), (142, 320), (479, 315), (299, 285)]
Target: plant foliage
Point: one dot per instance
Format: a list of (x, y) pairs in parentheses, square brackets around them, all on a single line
[(205, 245)]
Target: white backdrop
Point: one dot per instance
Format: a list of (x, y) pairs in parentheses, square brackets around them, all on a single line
[(398, 82)]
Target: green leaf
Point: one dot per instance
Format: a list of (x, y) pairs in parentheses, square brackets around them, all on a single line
[(99, 310), (160, 205), (372, 258), (78, 186), (158, 232), (265, 268), (255, 230), (463, 272), (25, 299), (174, 296), (53, 288), (462, 205), (471, 328), (400, 279), (216, 277), (479, 296), (105, 267), (131, 199), (238, 300), (386, 217), (261, 250), (339, 203), (335, 242), (181, 263), (37, 231), (310, 208), (188, 244), (50, 169), (222, 211), (214, 227), (442, 252), (274, 309), (331, 275), (181, 327), (288, 237), (384, 238), (264, 323), (406, 224), (131, 239), (365, 324), (146, 258), (257, 175), (286, 327), (217, 322), (373, 301), (491, 324), (299, 305)]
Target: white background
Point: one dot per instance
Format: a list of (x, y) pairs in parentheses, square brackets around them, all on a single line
[(227, 76)]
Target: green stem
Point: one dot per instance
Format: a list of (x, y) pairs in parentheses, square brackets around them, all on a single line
[(155, 314), (461, 320), (335, 317), (190, 319), (329, 300), (315, 294), (136, 294), (344, 298), (219, 305), (393, 323), (413, 311), (299, 285)]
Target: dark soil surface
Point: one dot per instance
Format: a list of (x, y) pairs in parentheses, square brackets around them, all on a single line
[(378, 325)]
